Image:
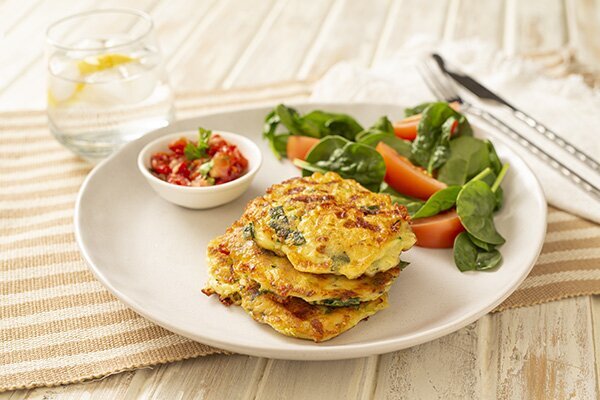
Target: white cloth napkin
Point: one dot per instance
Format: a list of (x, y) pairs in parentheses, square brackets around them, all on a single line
[(566, 105)]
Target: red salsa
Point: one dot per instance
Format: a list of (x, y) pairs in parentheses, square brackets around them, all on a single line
[(209, 161)]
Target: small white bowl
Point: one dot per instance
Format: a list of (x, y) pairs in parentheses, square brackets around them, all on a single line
[(206, 196)]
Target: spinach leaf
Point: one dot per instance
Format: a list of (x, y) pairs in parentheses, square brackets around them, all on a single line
[(412, 205), (383, 124), (332, 124), (359, 162), (317, 124), (480, 244), (290, 118), (441, 150), (488, 259), (465, 253), (464, 127), (475, 207), (497, 189), (323, 150), (343, 125), (248, 231), (468, 257), (353, 301), (490, 178), (277, 142), (429, 131), (418, 109), (402, 147), (495, 162), (383, 131), (496, 185), (468, 156), (499, 198), (349, 159), (454, 171), (441, 200), (280, 223)]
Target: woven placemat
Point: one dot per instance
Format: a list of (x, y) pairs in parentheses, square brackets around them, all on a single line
[(57, 322)]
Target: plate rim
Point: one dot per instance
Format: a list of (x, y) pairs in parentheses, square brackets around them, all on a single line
[(316, 352)]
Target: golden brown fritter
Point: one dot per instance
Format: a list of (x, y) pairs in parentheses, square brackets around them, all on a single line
[(275, 274), (290, 316), (328, 225)]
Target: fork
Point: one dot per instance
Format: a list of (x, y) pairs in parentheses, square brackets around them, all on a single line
[(442, 88)]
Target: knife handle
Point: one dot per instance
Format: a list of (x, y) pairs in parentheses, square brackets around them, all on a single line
[(554, 137), (536, 150)]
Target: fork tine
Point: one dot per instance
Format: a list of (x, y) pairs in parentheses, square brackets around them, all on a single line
[(429, 83), (443, 84)]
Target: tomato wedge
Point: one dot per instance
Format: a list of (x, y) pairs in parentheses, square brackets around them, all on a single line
[(299, 146), (406, 178), (438, 231), (407, 128)]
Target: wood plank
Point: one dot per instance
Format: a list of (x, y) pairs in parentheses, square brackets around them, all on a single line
[(13, 12), (215, 377), (583, 18), (409, 19), (345, 379), (542, 352), (476, 19), (350, 33), (208, 378), (213, 48), (113, 387), (447, 368), (174, 20), (535, 26), (277, 52), (595, 305)]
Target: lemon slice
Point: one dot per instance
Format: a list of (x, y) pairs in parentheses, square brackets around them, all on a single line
[(103, 62), (65, 93)]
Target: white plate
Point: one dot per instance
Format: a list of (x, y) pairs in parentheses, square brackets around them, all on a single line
[(150, 253)]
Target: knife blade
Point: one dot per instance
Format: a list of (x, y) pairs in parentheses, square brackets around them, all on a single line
[(470, 84), (484, 93)]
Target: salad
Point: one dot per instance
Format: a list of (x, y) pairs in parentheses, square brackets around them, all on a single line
[(429, 162)]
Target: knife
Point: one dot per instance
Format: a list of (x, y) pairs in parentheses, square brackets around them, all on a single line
[(484, 93)]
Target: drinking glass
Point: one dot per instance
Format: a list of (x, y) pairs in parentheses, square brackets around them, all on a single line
[(106, 81)]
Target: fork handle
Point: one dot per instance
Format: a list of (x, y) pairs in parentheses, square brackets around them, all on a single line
[(554, 137), (536, 150)]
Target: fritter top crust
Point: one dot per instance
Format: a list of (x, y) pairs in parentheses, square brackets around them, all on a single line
[(325, 224)]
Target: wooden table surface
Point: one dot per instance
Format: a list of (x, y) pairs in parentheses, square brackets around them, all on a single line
[(541, 352)]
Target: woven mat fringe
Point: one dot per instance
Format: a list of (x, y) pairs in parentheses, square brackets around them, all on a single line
[(58, 325)]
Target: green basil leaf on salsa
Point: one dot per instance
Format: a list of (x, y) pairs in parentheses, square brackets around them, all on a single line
[(194, 152)]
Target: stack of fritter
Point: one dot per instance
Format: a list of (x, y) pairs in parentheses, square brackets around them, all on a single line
[(312, 257)]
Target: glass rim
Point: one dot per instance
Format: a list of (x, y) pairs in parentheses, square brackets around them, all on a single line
[(123, 10)]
